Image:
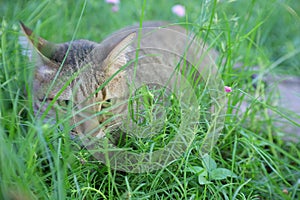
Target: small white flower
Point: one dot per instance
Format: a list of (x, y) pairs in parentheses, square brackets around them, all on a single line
[(112, 1), (178, 10), (227, 89)]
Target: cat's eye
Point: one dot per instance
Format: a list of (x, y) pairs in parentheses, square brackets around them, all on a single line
[(63, 103), (107, 103), (45, 99)]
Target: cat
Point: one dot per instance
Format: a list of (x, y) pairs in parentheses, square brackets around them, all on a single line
[(90, 75)]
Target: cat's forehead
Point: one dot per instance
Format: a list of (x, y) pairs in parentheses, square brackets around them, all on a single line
[(73, 53)]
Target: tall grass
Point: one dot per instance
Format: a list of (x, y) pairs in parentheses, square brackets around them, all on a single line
[(39, 161)]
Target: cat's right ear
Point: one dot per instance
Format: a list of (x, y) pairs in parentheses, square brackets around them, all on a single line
[(43, 47), (118, 55)]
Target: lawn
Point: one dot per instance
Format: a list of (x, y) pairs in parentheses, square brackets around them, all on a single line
[(252, 158)]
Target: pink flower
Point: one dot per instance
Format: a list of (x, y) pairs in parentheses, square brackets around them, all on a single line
[(227, 89), (115, 5), (115, 8), (178, 10), (112, 1)]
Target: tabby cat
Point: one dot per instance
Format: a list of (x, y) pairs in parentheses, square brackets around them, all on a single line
[(90, 76)]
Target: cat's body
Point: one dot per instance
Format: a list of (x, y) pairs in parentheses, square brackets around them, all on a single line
[(94, 64)]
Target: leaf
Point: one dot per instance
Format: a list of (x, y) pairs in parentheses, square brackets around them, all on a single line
[(202, 180), (197, 170), (201, 172), (209, 163), (221, 173)]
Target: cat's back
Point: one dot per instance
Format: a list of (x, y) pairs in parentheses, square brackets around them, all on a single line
[(153, 33), (163, 36)]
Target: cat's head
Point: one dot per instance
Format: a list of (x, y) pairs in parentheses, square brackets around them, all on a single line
[(74, 73)]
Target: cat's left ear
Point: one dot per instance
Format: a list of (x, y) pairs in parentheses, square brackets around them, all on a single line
[(44, 48), (118, 55)]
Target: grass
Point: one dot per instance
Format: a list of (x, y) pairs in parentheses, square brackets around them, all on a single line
[(249, 161)]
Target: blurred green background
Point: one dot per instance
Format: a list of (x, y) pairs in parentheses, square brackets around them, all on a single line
[(277, 22)]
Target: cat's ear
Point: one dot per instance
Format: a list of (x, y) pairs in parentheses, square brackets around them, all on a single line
[(43, 47), (118, 55)]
